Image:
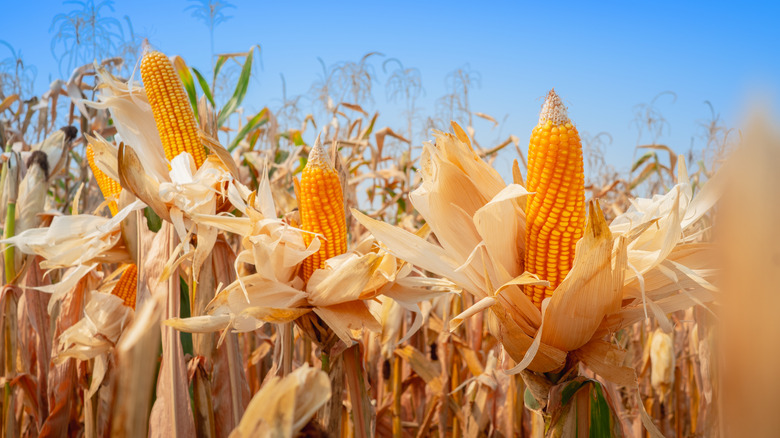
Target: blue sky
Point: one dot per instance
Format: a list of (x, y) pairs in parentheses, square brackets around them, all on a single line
[(603, 59)]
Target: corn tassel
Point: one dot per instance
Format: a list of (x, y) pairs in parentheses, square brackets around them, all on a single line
[(127, 285), (172, 111), (555, 213), (108, 187), (322, 209)]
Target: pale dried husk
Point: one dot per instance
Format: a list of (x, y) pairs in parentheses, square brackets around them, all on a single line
[(642, 261), (96, 334), (283, 406), (339, 293)]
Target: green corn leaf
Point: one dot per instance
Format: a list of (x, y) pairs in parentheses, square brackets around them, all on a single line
[(240, 92), (642, 160), (152, 220), (258, 120), (646, 172), (601, 423), (218, 66), (189, 83), (204, 86), (184, 310), (570, 389)]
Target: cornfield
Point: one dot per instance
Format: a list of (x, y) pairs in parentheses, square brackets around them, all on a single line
[(173, 266)]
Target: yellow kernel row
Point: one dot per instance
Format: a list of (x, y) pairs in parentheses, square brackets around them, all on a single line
[(555, 213), (322, 210)]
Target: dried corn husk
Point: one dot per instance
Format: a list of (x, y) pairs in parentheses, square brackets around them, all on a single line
[(643, 251), (283, 406)]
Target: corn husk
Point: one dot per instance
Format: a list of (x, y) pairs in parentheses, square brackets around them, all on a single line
[(283, 406), (640, 262), (134, 121), (96, 334), (339, 293)]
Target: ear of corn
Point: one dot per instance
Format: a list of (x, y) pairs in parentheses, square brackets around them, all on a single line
[(555, 213), (172, 111), (127, 285), (322, 209), (108, 187)]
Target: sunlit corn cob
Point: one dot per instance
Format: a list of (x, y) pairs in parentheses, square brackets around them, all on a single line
[(555, 214), (108, 187), (322, 209), (172, 111), (126, 287)]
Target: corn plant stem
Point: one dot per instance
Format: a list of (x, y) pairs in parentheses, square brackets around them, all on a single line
[(8, 232), (357, 392), (288, 344), (330, 414), (511, 407), (454, 383), (90, 414), (397, 389), (445, 348), (174, 298), (444, 400), (457, 307), (679, 410), (478, 324), (325, 360), (537, 425), (7, 411), (3, 173), (9, 319), (307, 350), (233, 363), (203, 345), (423, 430), (419, 394), (519, 406)]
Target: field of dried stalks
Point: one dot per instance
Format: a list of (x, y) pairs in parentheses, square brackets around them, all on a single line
[(422, 328)]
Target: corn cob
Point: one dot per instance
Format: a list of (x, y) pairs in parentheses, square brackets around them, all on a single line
[(322, 209), (108, 186), (555, 213), (172, 111), (126, 287)]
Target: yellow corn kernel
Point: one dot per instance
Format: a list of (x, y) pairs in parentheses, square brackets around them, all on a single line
[(172, 111), (322, 210), (555, 214), (108, 187), (126, 287)]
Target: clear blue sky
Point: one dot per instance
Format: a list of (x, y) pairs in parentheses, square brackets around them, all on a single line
[(603, 58)]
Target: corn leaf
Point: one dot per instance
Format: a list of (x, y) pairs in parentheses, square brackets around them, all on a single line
[(646, 172), (8, 101), (642, 160), (240, 91), (255, 122), (189, 83), (661, 147), (204, 86), (218, 66)]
